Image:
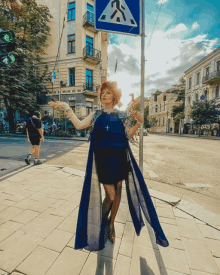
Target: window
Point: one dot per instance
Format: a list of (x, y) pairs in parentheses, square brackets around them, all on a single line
[(160, 107), (89, 45), (190, 82), (71, 43), (159, 121), (155, 109), (72, 11), (164, 106), (164, 98), (197, 77), (189, 100), (206, 95), (88, 107), (72, 105), (90, 13), (218, 66), (89, 80), (163, 121), (197, 97), (217, 92), (155, 98), (207, 71), (72, 77)]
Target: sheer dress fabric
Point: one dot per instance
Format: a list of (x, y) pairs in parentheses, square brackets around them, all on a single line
[(91, 231)]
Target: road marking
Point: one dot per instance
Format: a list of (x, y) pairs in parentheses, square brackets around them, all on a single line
[(50, 156)]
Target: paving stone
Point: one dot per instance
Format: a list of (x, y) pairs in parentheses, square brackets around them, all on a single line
[(111, 250), (122, 265), (181, 214), (46, 213), (4, 233), (163, 212), (170, 231), (129, 219), (11, 240), (189, 229), (2, 272), (8, 202), (214, 246), (197, 272), (174, 259), (217, 260), (12, 256), (129, 229), (209, 232), (164, 205), (61, 239), (165, 271), (57, 204), (98, 264), (198, 221), (42, 227), (121, 216), (68, 225), (146, 238), (25, 216), (70, 261), (119, 229), (12, 225), (38, 262), (65, 209), (10, 212), (2, 221), (144, 260), (199, 256), (2, 207), (126, 246), (175, 243), (168, 220)]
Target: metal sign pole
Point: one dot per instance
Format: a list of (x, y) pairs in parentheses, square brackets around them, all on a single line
[(59, 49), (142, 83)]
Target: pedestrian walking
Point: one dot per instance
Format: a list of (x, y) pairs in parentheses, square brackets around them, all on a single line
[(35, 136), (110, 161)]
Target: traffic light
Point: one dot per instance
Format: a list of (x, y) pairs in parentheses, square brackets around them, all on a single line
[(7, 45)]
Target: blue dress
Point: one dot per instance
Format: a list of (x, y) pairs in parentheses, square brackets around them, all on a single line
[(110, 150), (109, 146)]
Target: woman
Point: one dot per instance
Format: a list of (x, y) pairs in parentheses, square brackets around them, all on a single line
[(110, 161)]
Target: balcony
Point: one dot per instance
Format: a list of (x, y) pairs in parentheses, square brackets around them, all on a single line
[(212, 78), (88, 21), (90, 89), (91, 55)]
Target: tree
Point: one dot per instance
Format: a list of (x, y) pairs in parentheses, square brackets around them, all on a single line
[(205, 112), (178, 111), (23, 80)]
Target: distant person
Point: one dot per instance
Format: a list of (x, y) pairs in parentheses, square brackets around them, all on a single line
[(35, 136)]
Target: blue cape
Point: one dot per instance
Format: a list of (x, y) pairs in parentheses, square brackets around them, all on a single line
[(91, 231)]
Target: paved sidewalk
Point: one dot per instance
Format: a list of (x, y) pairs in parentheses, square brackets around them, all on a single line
[(186, 135), (38, 216)]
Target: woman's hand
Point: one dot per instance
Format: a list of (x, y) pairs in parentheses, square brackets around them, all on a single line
[(59, 104), (137, 116)]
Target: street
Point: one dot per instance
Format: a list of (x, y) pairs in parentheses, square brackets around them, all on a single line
[(184, 167)]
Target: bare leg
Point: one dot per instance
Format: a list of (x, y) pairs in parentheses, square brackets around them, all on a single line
[(32, 150), (116, 202), (37, 150)]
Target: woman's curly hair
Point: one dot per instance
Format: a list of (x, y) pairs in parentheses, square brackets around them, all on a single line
[(113, 87)]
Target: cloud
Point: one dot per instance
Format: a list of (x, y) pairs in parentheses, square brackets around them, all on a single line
[(195, 25), (168, 56)]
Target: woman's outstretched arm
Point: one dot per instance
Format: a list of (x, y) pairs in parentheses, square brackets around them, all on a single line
[(79, 124)]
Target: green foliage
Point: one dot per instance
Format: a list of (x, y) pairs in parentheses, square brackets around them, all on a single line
[(137, 108), (178, 111), (205, 112), (22, 81)]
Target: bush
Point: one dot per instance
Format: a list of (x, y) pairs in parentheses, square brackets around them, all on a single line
[(63, 134)]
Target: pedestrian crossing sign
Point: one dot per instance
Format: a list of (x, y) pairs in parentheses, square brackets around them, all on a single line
[(121, 16)]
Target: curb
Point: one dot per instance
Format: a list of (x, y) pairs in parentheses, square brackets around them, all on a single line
[(185, 136)]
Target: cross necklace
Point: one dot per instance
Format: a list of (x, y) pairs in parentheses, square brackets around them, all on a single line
[(107, 127)]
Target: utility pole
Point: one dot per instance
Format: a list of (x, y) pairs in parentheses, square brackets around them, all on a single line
[(142, 84), (59, 46)]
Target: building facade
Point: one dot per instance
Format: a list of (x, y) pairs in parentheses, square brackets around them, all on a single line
[(160, 110), (202, 82), (83, 57)]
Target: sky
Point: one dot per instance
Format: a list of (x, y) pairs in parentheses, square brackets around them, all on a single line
[(185, 32)]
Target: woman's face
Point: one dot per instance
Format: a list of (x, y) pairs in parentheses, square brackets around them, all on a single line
[(107, 96)]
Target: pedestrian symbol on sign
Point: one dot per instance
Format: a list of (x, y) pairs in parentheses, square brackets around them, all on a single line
[(117, 12)]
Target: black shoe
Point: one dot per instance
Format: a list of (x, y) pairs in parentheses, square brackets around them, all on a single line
[(28, 161), (37, 162)]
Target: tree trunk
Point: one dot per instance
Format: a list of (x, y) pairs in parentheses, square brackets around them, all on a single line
[(199, 130), (10, 114)]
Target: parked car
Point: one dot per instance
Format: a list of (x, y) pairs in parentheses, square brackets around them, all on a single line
[(144, 132)]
